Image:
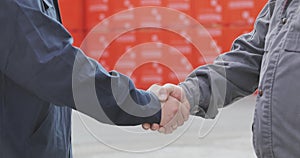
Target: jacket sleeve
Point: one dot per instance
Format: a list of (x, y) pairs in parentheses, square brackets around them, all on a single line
[(37, 54), (233, 75)]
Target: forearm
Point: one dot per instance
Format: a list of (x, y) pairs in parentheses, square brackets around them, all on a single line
[(233, 75), (40, 58), (110, 96)]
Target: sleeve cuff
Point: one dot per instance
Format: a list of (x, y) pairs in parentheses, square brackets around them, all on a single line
[(193, 96), (156, 118)]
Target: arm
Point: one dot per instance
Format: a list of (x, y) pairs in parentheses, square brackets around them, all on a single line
[(233, 75), (37, 54)]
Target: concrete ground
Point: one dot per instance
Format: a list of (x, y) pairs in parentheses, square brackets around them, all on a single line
[(230, 137)]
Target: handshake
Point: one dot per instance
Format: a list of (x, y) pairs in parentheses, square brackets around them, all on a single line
[(175, 108)]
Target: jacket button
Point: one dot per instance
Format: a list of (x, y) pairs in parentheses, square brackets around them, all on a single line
[(260, 93), (284, 20)]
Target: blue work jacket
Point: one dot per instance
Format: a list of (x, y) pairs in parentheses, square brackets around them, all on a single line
[(37, 84)]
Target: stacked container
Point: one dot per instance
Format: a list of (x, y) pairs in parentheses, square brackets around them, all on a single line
[(138, 43)]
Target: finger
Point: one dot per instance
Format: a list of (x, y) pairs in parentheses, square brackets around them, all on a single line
[(161, 130), (162, 94), (168, 130), (186, 103), (172, 125), (185, 112), (155, 127), (180, 123), (146, 126), (180, 120), (169, 110), (178, 93)]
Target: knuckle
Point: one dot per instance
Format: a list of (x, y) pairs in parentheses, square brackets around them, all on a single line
[(180, 123)]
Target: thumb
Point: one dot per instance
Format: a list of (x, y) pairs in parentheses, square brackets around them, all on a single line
[(162, 94), (160, 91), (174, 91)]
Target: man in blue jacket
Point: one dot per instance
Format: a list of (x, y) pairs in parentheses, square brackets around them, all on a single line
[(39, 87)]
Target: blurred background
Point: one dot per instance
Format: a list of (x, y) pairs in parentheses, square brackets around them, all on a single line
[(224, 20), (229, 136)]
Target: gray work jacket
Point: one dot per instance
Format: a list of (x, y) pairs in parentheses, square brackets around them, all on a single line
[(266, 59)]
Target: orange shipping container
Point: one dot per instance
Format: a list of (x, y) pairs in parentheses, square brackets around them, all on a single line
[(238, 12), (95, 12), (72, 13), (153, 73), (118, 47), (78, 37), (207, 12), (140, 3), (231, 33), (184, 6)]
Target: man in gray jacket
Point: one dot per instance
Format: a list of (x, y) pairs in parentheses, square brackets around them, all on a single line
[(265, 59)]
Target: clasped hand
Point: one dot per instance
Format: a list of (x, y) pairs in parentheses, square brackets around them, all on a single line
[(175, 108)]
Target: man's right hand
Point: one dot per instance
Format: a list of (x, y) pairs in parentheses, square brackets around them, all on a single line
[(175, 108)]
